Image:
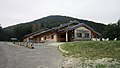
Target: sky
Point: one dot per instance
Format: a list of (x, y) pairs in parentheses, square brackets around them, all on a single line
[(20, 11)]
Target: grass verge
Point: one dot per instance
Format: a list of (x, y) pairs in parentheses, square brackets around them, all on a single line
[(93, 49)]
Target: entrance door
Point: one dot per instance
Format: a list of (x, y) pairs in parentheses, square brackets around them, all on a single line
[(70, 36)]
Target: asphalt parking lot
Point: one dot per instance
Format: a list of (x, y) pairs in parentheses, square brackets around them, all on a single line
[(43, 56)]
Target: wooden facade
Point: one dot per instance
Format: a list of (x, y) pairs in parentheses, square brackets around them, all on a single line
[(71, 31)]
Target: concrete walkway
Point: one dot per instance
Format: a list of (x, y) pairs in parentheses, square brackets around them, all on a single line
[(14, 56)]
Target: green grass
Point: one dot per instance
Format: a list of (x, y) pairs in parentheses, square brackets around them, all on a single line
[(93, 49), (100, 66)]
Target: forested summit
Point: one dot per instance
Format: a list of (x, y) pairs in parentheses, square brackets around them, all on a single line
[(22, 29)]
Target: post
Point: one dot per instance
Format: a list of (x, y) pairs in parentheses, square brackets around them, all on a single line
[(75, 36), (66, 36)]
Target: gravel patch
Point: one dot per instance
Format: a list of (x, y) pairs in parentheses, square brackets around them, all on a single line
[(70, 62)]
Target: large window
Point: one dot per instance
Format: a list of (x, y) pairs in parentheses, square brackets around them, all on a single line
[(45, 38), (86, 35), (79, 35), (52, 36), (72, 35)]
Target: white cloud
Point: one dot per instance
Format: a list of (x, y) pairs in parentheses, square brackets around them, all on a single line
[(17, 11)]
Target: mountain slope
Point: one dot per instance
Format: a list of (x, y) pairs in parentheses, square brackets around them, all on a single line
[(20, 30)]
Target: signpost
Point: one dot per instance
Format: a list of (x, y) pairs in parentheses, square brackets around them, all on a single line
[(14, 39)]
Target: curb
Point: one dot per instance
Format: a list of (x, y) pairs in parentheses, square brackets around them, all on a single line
[(64, 51)]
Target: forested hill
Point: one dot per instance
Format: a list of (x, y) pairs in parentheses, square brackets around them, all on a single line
[(20, 30)]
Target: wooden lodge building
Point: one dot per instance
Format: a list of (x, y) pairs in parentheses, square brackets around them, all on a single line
[(71, 31)]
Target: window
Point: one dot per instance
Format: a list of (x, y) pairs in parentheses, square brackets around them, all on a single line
[(45, 38), (52, 36), (72, 35), (79, 35), (86, 35)]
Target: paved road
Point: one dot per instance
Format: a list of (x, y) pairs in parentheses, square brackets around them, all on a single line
[(14, 56)]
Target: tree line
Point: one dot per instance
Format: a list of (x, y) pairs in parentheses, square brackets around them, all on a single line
[(18, 31), (112, 31), (3, 34)]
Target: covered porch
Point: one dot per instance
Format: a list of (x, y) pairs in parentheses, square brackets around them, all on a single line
[(67, 36)]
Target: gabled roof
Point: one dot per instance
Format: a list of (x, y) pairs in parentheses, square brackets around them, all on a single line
[(42, 32), (66, 24), (76, 26), (35, 32)]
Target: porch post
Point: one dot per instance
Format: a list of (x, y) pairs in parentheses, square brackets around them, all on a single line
[(75, 35), (66, 36)]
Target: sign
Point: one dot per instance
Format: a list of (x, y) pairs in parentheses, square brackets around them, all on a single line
[(13, 39)]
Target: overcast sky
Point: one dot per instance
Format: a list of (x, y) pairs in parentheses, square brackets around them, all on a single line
[(20, 11)]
